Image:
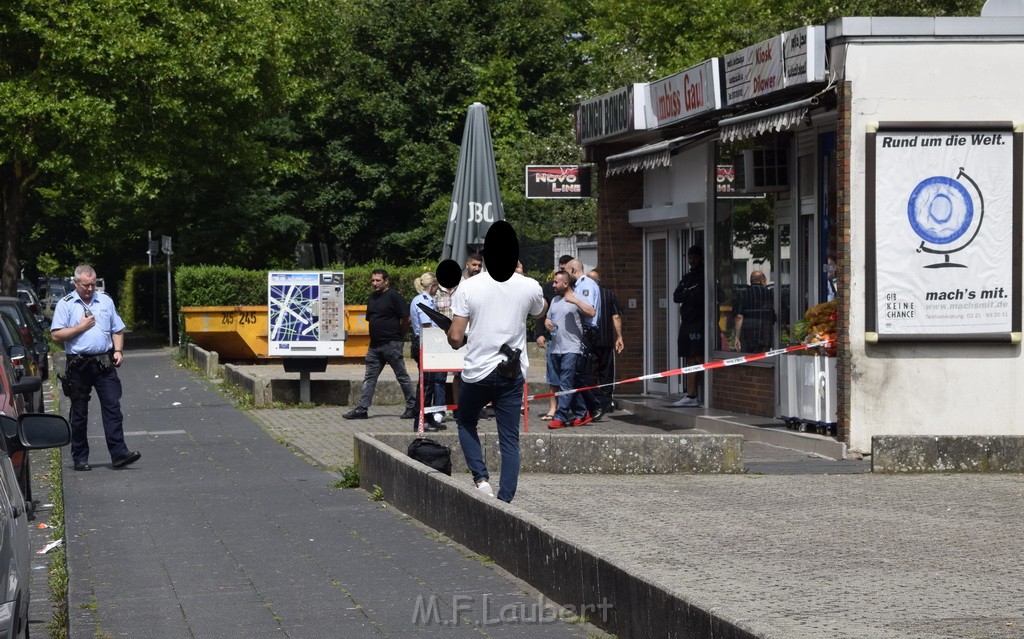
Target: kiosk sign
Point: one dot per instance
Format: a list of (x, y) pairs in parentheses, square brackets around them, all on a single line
[(306, 313)]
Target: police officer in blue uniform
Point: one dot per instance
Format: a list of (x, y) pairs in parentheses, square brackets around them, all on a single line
[(88, 325)]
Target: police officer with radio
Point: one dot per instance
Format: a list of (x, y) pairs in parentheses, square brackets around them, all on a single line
[(88, 325)]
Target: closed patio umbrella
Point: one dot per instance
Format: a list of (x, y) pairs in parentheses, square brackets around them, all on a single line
[(476, 200)]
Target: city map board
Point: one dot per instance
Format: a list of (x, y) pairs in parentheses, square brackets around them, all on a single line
[(306, 313)]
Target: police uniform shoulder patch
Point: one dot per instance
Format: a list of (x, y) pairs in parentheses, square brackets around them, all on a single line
[(68, 297), (586, 292)]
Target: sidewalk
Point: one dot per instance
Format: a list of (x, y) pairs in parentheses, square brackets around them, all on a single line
[(221, 531), (801, 547)]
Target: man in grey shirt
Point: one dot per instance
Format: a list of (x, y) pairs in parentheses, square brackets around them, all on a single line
[(565, 323)]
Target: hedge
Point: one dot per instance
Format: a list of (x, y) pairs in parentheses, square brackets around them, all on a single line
[(143, 301)]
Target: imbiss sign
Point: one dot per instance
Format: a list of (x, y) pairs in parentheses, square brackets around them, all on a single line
[(685, 94), (557, 182)]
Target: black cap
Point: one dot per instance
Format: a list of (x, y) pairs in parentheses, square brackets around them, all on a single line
[(501, 251)]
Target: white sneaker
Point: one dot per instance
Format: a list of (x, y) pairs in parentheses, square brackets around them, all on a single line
[(686, 401), (485, 488)]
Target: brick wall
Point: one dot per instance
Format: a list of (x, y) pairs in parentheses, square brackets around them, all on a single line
[(620, 261), (843, 195), (744, 389)]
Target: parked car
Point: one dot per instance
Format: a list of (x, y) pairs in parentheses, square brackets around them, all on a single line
[(28, 295), (20, 434), (30, 328), (23, 360), (55, 290)]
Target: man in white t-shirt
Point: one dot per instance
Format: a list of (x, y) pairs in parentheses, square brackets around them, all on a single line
[(489, 324)]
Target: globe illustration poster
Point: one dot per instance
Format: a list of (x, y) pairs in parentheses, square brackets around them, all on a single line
[(943, 204)]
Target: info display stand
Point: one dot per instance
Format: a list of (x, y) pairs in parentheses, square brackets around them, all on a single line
[(304, 366)]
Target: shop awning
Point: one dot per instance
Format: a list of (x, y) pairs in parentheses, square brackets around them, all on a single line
[(651, 156), (780, 118)]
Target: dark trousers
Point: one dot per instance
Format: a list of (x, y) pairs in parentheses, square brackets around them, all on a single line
[(604, 368), (108, 390), (585, 377), (506, 395)]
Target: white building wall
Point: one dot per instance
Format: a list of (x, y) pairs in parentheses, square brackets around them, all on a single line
[(690, 175), (927, 388)]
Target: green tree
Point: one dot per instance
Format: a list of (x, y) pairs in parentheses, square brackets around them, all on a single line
[(118, 116)]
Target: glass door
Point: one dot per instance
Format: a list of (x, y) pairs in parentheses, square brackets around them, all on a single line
[(657, 308)]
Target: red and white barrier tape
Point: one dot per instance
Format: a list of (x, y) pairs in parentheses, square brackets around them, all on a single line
[(696, 368)]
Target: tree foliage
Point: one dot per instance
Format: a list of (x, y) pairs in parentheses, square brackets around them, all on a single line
[(241, 128)]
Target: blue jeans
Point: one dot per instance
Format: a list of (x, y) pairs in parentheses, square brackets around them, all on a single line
[(569, 406), (389, 353), (507, 396), (108, 390)]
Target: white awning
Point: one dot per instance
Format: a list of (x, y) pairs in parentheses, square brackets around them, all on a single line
[(780, 118), (651, 156)]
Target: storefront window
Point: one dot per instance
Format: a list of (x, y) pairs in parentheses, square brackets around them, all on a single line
[(746, 278)]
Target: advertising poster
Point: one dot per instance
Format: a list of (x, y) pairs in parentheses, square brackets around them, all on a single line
[(944, 228)]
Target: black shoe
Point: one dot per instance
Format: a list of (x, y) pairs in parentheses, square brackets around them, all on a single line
[(82, 466), (132, 457), (431, 428), (597, 414), (409, 414), (356, 413)]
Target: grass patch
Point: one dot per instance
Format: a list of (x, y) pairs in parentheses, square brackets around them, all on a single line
[(377, 494), (58, 566), (349, 478)]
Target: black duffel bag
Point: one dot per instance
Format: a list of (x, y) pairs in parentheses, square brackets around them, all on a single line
[(427, 451)]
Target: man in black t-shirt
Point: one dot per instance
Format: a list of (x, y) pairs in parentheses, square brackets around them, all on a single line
[(387, 313)]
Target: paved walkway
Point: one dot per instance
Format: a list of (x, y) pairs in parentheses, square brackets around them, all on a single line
[(799, 547), (221, 531)]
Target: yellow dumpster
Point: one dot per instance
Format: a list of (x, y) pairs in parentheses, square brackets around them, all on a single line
[(241, 332), (234, 332)]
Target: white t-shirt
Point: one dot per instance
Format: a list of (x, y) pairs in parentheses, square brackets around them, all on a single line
[(497, 314)]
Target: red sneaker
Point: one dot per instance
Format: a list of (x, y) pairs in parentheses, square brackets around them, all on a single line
[(581, 421), (557, 423)]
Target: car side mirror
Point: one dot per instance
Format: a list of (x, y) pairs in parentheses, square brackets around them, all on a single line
[(27, 384), (43, 431), (41, 348), (17, 353)]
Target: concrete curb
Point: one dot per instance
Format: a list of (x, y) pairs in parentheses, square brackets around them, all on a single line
[(944, 454), (207, 361), (589, 454), (609, 596)]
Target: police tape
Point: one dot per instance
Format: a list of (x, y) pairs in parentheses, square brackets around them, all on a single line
[(696, 368)]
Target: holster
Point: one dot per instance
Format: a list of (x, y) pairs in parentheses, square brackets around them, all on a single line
[(510, 368), (73, 389)]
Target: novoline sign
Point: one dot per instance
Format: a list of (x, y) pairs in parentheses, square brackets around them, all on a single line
[(685, 94), (557, 182), (611, 114), (790, 59)]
